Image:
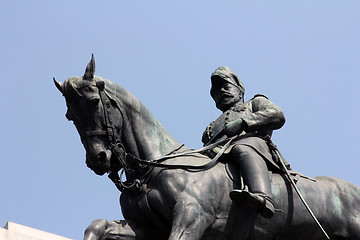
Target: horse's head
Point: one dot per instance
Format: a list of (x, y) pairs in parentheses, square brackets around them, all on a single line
[(96, 117)]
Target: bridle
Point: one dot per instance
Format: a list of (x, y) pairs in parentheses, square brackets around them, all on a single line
[(110, 128), (115, 144)]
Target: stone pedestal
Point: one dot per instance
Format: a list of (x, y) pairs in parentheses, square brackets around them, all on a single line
[(14, 231)]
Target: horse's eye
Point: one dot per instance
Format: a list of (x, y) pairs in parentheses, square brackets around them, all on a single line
[(94, 102)]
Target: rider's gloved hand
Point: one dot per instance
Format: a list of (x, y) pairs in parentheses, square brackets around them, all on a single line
[(234, 128)]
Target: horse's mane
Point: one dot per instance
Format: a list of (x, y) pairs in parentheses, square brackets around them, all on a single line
[(125, 100), (142, 119)]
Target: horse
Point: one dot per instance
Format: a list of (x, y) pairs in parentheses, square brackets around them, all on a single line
[(172, 192)]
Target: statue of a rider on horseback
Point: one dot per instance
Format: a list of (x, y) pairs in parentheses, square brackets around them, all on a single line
[(177, 193)]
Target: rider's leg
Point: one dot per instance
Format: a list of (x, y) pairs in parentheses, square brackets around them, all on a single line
[(256, 177)]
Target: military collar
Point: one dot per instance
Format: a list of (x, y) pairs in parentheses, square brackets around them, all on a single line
[(238, 107)]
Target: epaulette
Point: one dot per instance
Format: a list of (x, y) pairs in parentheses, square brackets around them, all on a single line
[(260, 95)]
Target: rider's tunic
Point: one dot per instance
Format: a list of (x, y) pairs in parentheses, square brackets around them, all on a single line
[(260, 116)]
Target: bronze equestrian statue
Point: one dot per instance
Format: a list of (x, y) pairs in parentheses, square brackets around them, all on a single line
[(172, 192)]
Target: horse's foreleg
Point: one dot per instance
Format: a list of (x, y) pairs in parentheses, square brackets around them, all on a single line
[(102, 229), (189, 220), (96, 230)]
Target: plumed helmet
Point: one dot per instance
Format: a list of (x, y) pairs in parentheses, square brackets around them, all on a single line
[(226, 74)]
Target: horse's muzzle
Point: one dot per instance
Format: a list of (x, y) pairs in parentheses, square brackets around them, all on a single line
[(100, 163)]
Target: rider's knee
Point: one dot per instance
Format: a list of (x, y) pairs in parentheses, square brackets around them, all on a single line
[(241, 151)]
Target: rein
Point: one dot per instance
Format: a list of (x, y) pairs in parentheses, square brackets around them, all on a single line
[(136, 184), (157, 162)]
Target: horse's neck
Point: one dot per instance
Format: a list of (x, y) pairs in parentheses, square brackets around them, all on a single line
[(146, 138), (142, 135)]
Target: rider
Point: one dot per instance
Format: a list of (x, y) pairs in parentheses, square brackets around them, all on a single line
[(252, 121)]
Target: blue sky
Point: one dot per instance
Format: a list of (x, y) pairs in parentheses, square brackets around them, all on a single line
[(304, 55)]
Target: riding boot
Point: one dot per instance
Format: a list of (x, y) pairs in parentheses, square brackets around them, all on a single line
[(256, 177)]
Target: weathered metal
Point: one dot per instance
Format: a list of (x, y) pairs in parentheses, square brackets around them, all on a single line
[(183, 203)]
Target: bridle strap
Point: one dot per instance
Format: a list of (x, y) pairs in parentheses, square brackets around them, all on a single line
[(109, 127), (93, 133)]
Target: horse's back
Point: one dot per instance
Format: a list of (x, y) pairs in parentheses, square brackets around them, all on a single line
[(342, 201), (332, 201)]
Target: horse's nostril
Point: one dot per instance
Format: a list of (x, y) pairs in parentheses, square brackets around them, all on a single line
[(101, 157)]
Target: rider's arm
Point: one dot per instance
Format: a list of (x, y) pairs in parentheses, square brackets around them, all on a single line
[(264, 115)]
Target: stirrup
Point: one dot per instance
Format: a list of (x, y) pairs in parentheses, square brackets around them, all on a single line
[(259, 202)]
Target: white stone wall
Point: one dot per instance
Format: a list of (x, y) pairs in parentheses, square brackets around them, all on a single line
[(14, 231)]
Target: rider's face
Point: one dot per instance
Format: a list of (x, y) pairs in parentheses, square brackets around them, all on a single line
[(226, 95)]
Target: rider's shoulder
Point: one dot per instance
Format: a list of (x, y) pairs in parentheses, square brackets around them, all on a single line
[(259, 95)]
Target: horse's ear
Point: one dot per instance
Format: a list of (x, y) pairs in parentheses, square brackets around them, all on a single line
[(58, 85), (90, 69)]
